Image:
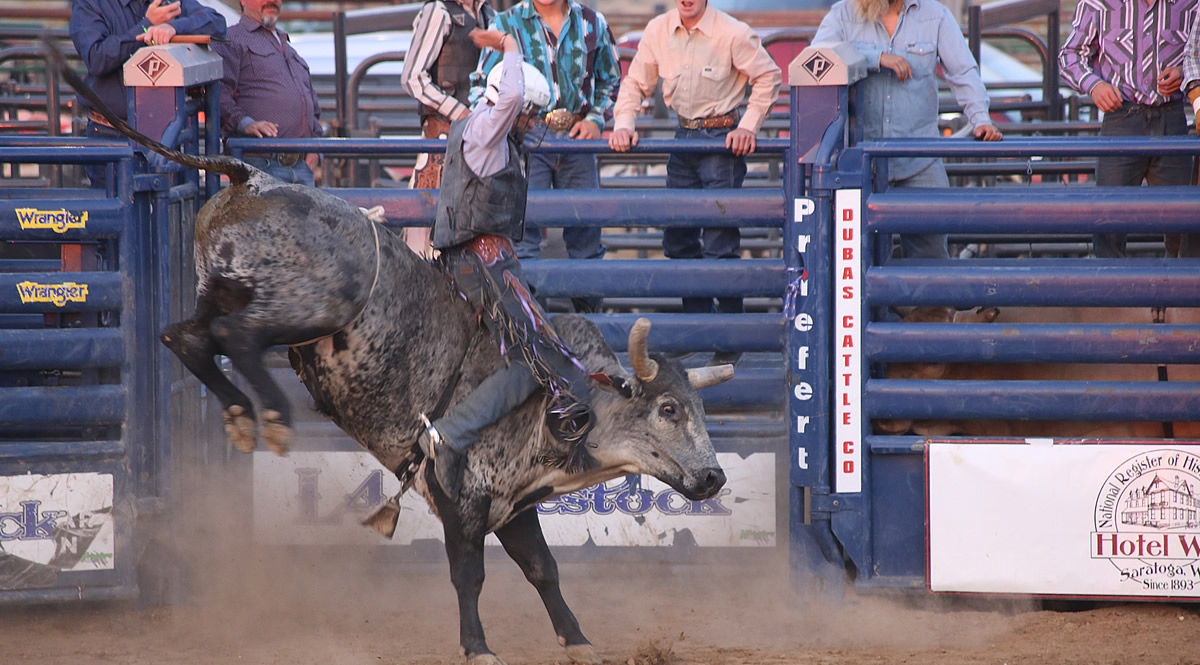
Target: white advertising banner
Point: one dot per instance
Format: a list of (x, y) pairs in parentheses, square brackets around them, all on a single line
[(319, 498), (1073, 519), (846, 341), (53, 523)]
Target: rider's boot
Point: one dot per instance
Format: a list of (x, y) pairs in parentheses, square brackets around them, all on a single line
[(448, 463)]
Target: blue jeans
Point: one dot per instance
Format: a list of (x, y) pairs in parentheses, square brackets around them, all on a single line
[(1134, 119), (97, 174), (563, 171), (705, 171), (299, 174), (925, 245)]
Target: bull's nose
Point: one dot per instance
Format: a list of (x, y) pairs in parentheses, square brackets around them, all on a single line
[(714, 480)]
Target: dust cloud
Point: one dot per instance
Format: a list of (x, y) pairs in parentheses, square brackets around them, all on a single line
[(271, 605)]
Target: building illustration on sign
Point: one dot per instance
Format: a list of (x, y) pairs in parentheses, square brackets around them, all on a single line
[(1162, 505)]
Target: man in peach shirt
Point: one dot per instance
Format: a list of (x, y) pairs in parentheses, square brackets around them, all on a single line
[(705, 58)]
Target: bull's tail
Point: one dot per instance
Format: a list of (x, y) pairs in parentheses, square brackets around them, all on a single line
[(237, 170)]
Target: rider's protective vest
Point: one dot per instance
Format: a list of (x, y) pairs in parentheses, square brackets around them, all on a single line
[(470, 206)]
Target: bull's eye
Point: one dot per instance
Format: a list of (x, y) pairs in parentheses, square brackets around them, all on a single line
[(667, 411)]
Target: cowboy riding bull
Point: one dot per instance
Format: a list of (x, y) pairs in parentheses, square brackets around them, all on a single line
[(385, 342)]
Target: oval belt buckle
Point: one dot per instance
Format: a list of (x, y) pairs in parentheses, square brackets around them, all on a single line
[(560, 120)]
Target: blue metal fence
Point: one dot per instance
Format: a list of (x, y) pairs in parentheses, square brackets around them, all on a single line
[(88, 279), (859, 511)]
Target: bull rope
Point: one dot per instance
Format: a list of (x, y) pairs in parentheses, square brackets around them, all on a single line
[(371, 292)]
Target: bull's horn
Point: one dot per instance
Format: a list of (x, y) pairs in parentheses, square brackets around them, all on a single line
[(645, 368), (703, 377)]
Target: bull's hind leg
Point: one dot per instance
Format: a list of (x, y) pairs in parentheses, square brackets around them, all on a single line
[(245, 341), (192, 342), (523, 540)]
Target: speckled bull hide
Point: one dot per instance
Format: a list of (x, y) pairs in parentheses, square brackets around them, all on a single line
[(376, 335)]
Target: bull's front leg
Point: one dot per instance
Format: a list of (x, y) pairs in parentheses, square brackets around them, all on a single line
[(463, 525), (523, 540)]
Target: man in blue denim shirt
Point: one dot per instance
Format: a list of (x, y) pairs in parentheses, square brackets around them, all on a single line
[(572, 46), (107, 32), (903, 42), (705, 59)]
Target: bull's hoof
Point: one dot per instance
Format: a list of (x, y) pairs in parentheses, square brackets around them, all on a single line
[(278, 435), (583, 653), (485, 659), (240, 428)]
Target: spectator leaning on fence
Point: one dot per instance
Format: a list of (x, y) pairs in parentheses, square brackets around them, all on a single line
[(267, 92), (574, 49), (1128, 57), (705, 58), (437, 73), (107, 32), (904, 41)]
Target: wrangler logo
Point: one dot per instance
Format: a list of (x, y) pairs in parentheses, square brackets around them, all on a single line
[(59, 294), (59, 220)]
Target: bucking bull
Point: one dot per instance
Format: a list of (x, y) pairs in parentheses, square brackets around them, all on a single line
[(377, 334)]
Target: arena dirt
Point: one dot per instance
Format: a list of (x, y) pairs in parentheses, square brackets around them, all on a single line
[(261, 606)]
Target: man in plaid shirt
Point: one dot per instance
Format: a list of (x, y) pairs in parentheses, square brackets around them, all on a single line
[(574, 49)]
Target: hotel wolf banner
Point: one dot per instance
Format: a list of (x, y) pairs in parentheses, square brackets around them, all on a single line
[(1070, 519)]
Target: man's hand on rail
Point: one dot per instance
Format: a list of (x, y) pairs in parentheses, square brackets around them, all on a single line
[(622, 140), (988, 133), (740, 141), (262, 129), (157, 34), (1106, 96), (897, 64)]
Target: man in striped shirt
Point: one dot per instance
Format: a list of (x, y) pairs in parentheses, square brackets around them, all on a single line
[(1127, 56), (574, 49), (437, 73)]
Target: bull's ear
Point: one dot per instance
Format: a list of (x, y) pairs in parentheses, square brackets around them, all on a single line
[(703, 377)]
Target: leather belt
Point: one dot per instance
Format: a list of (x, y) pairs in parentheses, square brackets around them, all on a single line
[(715, 122), (560, 120), (95, 117), (285, 159)]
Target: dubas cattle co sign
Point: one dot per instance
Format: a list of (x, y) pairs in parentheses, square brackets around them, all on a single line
[(1065, 519), (846, 341)]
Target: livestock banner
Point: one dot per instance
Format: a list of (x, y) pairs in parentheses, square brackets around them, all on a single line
[(54, 523), (318, 498), (1044, 517)]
